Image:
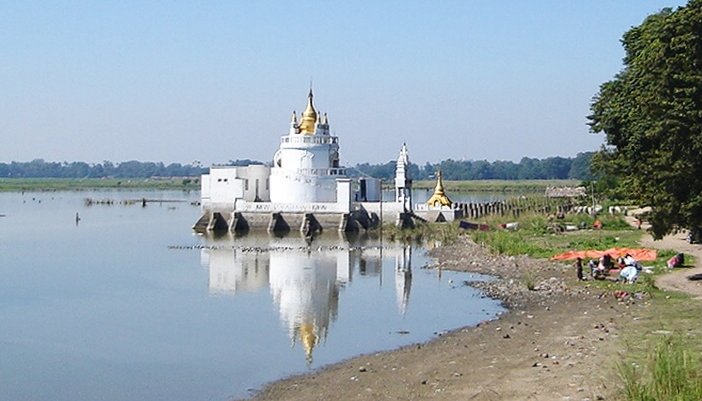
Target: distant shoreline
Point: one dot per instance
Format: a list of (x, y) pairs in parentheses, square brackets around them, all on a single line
[(80, 184), (193, 183)]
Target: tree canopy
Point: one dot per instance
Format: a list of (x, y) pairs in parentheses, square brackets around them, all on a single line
[(651, 114)]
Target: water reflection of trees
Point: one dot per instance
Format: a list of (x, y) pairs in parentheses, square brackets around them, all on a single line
[(304, 278)]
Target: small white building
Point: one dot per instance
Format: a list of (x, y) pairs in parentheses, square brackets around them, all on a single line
[(224, 184)]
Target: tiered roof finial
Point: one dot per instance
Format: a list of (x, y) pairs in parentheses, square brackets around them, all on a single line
[(309, 116)]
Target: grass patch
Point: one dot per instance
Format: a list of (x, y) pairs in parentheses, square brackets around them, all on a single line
[(671, 373), (445, 233), (601, 242), (539, 237), (512, 243)]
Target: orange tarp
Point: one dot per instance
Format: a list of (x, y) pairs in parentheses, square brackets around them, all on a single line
[(638, 254)]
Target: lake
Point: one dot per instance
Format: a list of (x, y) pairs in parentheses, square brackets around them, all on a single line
[(129, 304)]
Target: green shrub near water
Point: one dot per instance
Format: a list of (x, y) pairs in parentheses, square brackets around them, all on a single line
[(510, 243), (446, 233), (672, 373)]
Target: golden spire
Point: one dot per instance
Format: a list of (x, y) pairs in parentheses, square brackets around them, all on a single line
[(309, 117), (309, 339), (439, 198)]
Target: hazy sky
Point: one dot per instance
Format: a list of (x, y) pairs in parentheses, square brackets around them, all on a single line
[(178, 81)]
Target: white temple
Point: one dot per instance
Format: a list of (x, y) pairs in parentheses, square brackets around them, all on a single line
[(304, 189), (306, 166)]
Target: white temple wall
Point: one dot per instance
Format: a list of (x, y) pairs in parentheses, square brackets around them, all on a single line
[(224, 185), (343, 192), (257, 183), (292, 159), (289, 187), (389, 209), (205, 188), (313, 157)]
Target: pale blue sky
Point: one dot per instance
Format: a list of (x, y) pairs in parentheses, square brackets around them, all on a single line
[(178, 81)]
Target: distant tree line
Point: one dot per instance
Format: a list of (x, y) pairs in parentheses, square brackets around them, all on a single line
[(527, 168), (39, 168)]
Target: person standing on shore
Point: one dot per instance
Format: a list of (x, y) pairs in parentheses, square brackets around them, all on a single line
[(579, 268)]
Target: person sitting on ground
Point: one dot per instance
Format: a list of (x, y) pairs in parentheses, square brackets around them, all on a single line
[(629, 274), (597, 270), (676, 261), (592, 265), (630, 261)]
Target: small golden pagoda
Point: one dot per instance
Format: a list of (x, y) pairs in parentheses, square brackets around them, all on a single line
[(439, 198)]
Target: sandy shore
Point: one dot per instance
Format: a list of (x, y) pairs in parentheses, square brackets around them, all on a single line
[(556, 343)]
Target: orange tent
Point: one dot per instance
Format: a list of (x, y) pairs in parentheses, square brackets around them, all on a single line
[(638, 254)]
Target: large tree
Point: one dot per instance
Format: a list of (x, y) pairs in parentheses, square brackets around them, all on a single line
[(651, 113)]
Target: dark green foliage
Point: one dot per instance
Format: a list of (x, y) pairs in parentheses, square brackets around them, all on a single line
[(651, 113)]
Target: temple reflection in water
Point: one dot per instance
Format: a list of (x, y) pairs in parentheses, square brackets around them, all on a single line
[(304, 279)]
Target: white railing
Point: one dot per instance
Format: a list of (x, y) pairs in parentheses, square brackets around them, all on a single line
[(318, 140), (312, 171), (271, 207)]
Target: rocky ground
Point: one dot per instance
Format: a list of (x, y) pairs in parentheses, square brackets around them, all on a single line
[(559, 341)]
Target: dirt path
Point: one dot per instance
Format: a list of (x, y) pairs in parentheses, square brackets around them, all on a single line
[(686, 279)]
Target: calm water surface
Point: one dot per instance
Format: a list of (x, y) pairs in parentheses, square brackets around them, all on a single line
[(129, 304)]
